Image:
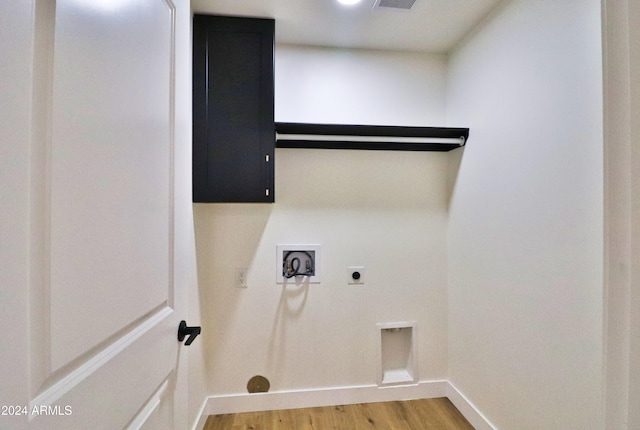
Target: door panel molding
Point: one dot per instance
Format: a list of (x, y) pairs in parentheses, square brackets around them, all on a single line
[(111, 159), (53, 379), (79, 373), (39, 195), (107, 393), (151, 407)]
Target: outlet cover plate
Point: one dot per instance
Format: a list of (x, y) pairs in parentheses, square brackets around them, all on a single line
[(242, 274)]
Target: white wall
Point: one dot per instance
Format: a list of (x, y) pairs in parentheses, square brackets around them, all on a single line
[(622, 213), (343, 86), (634, 125), (383, 210), (526, 223)]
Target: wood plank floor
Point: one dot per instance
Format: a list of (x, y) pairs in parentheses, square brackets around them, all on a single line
[(427, 414)]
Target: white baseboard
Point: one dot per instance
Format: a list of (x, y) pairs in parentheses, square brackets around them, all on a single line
[(202, 416), (235, 403), (468, 409)]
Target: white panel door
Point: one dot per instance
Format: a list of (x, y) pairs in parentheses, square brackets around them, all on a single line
[(92, 288)]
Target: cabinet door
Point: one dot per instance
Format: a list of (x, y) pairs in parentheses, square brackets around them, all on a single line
[(233, 128)]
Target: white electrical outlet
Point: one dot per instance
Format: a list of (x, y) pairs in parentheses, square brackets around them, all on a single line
[(241, 277), (355, 275)]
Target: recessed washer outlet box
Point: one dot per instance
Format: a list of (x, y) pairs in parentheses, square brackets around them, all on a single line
[(298, 264), (398, 364)]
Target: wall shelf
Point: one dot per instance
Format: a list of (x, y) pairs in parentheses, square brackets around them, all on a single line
[(371, 137)]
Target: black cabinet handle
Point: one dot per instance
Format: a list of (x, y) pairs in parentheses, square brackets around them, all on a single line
[(184, 331)]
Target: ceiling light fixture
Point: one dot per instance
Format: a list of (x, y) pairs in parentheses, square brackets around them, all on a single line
[(349, 2)]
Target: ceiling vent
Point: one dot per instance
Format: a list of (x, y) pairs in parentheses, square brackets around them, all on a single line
[(395, 4)]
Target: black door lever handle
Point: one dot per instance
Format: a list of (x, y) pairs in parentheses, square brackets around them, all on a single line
[(184, 331)]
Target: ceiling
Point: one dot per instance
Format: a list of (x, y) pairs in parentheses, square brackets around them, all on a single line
[(430, 26)]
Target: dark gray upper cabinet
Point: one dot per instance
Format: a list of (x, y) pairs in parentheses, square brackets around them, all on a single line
[(233, 119)]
